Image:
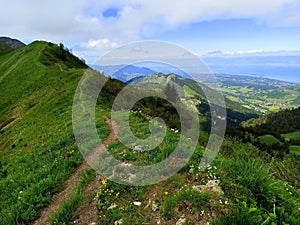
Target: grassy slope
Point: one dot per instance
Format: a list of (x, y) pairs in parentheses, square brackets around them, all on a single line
[(268, 139), (245, 177), (4, 49), (294, 135), (295, 149), (38, 150)]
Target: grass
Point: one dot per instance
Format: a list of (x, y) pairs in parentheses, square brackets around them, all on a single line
[(252, 176), (196, 199), (123, 197), (254, 185), (292, 136), (248, 183), (232, 98), (38, 153), (65, 214), (244, 215), (268, 139), (38, 149), (295, 149), (4, 49), (140, 128), (189, 92)]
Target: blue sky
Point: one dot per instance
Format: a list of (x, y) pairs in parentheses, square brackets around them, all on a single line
[(234, 35), (91, 27)]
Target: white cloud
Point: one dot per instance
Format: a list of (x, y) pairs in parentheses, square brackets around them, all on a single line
[(33, 19), (82, 20), (295, 52), (98, 45)]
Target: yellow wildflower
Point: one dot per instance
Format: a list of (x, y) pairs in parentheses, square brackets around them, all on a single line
[(166, 193), (103, 181)]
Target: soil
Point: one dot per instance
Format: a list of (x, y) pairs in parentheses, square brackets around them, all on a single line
[(87, 213)]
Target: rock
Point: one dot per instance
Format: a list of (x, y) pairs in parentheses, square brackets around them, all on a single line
[(112, 206), (125, 164), (154, 206), (211, 186), (138, 148), (137, 203), (181, 221), (131, 177), (119, 222)]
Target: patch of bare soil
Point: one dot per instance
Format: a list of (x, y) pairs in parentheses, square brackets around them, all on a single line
[(87, 213)]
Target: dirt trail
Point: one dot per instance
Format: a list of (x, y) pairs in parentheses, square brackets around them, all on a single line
[(87, 213)]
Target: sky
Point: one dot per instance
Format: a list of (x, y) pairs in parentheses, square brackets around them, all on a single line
[(93, 27)]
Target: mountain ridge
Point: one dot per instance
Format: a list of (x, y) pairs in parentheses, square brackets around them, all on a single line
[(11, 43)]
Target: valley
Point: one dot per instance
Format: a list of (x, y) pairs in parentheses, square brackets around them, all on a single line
[(260, 94)]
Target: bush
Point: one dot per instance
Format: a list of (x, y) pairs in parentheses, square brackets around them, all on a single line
[(241, 216), (252, 176)]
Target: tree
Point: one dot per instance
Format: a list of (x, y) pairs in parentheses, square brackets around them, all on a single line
[(62, 51)]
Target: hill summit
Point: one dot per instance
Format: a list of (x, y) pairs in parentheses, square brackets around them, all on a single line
[(12, 43), (8, 44)]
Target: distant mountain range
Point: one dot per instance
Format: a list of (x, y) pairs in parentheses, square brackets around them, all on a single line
[(228, 68), (12, 43), (8, 44), (124, 73)]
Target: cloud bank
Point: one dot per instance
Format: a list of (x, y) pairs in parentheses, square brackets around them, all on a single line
[(87, 22)]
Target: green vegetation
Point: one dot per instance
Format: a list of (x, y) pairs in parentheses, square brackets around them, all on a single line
[(5, 49), (65, 214), (292, 136), (38, 150), (254, 179), (136, 155), (268, 139), (189, 92), (295, 149), (273, 133), (285, 121), (252, 185), (195, 198), (260, 94)]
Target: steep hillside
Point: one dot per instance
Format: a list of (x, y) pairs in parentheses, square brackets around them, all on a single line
[(236, 113), (277, 136), (5, 49), (282, 122), (38, 151)]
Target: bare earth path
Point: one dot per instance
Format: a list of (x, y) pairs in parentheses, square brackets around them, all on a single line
[(87, 213)]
